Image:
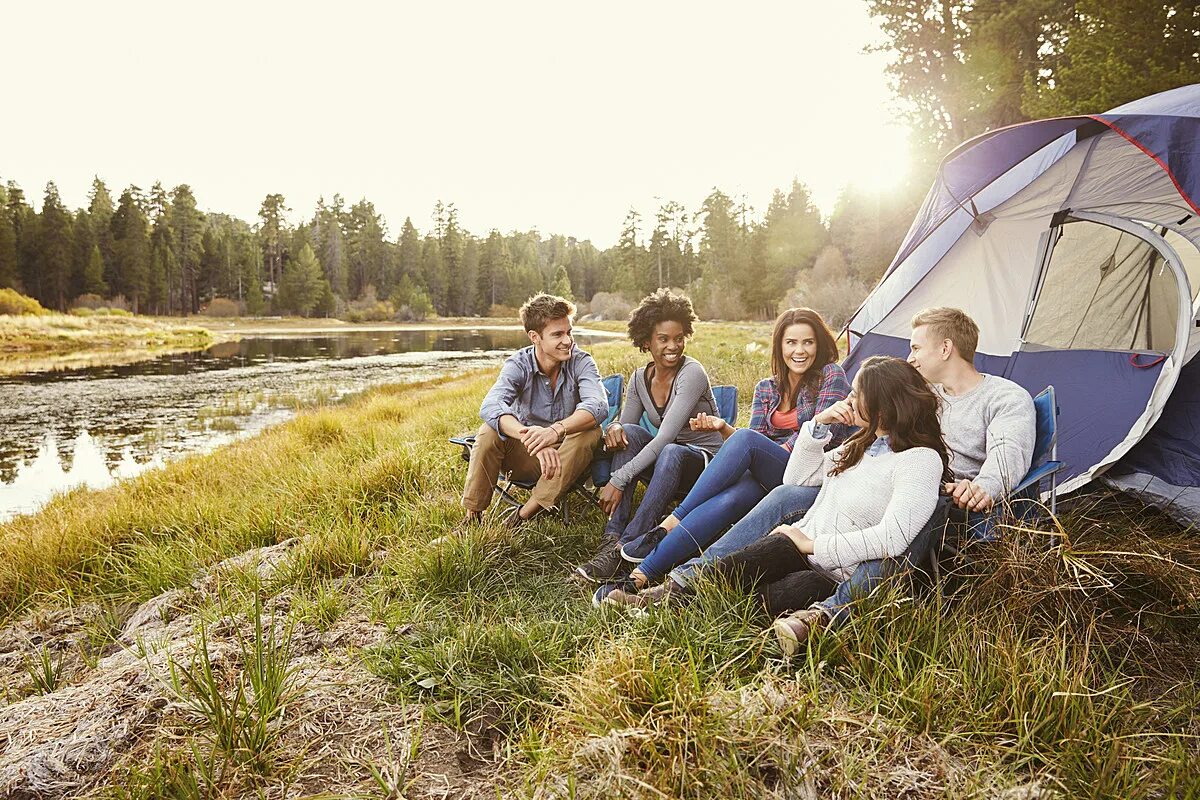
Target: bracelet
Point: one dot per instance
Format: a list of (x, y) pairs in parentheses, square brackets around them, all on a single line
[(561, 429)]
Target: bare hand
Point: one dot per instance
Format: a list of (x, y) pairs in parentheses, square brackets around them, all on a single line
[(535, 438), (840, 412), (968, 495), (548, 458), (610, 498), (802, 540), (615, 438), (707, 422)]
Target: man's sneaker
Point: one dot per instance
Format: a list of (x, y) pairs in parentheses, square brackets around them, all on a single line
[(666, 592), (606, 566), (794, 630), (636, 551), (607, 589)]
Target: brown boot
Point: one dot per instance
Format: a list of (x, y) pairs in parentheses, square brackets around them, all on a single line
[(794, 630)]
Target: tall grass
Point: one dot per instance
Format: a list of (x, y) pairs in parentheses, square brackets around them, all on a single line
[(1066, 664)]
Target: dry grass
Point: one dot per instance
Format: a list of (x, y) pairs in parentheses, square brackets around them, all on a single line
[(1066, 667), (49, 341)]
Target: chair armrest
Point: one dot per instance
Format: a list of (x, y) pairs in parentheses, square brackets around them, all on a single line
[(1036, 476), (466, 442)]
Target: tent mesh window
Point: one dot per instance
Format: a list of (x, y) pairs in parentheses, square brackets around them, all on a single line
[(1105, 289)]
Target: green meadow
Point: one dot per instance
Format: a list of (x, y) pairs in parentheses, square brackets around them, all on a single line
[(270, 620)]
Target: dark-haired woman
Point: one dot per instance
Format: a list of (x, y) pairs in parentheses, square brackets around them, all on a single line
[(670, 390), (807, 381), (877, 491)]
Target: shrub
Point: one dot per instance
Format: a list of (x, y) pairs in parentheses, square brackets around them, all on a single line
[(499, 310), (610, 305), (222, 307), (17, 304), (87, 301)]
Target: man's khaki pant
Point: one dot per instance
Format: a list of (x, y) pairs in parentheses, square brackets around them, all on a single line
[(492, 455)]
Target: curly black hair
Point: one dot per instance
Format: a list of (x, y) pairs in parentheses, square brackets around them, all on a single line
[(661, 306)]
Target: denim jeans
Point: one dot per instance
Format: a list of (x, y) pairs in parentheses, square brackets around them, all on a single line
[(675, 469), (746, 467), (782, 506)]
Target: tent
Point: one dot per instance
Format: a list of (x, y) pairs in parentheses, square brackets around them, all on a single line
[(1073, 242)]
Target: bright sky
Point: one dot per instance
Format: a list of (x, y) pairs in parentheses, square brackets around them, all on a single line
[(552, 115)]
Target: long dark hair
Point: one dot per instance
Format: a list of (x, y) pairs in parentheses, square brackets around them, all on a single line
[(892, 395), (827, 351)]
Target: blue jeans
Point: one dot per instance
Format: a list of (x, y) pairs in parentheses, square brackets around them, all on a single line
[(782, 506), (746, 467), (675, 469)]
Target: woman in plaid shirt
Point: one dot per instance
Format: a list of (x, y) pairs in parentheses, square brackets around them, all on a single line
[(807, 379)]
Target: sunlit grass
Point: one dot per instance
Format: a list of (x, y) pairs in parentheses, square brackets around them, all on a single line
[(1066, 667), (49, 341)]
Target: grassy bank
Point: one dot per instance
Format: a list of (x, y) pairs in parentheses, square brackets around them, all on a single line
[(353, 659), (48, 341)]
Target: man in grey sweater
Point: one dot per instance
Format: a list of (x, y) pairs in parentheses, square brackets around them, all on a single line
[(989, 425)]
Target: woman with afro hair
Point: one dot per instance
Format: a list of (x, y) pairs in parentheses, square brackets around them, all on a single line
[(669, 391)]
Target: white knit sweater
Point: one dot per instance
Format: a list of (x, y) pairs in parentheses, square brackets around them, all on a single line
[(872, 510)]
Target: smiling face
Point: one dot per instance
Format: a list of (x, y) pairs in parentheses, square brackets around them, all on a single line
[(666, 344), (926, 354), (799, 348), (554, 343)]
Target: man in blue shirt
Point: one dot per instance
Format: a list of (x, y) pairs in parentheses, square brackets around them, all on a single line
[(542, 416)]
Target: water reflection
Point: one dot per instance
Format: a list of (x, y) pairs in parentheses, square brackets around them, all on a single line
[(91, 426), (51, 472)]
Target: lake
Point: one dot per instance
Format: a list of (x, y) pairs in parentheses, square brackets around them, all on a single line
[(96, 425)]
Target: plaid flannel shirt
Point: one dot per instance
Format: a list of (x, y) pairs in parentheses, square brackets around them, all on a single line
[(833, 387)]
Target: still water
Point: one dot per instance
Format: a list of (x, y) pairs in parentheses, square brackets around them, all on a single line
[(96, 425)]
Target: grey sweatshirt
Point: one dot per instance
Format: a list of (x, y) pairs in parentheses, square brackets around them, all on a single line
[(690, 394), (990, 431)]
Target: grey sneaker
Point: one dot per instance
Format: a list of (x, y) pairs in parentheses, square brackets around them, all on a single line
[(606, 590), (794, 630), (607, 565), (664, 593)]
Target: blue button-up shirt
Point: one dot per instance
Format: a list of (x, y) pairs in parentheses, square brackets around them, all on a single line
[(523, 390)]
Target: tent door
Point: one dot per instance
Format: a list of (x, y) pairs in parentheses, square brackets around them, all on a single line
[(1107, 323)]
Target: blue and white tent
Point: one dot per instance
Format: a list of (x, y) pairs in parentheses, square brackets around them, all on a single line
[(1073, 242)]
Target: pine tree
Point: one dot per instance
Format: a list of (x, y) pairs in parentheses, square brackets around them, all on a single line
[(409, 254), (562, 283), (100, 213), (131, 245), (82, 242), (54, 250), (187, 232), (8, 248), (271, 235), (303, 283), (93, 276)]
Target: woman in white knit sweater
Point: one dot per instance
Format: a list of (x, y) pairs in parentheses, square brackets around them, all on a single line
[(877, 490)]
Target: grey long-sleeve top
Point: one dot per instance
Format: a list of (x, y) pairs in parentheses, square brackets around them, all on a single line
[(990, 431), (523, 391), (690, 394)]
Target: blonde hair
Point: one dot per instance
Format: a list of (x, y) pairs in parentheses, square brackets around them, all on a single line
[(543, 308), (953, 324)]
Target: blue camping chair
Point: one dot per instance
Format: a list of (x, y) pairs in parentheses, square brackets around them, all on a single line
[(1025, 496), (726, 397), (1045, 462), (614, 387)]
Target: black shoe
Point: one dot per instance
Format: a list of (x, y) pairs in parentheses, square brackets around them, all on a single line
[(606, 566), (627, 586), (636, 551)]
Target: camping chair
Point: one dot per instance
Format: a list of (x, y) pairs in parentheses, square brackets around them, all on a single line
[(1044, 464), (726, 397), (614, 387)]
